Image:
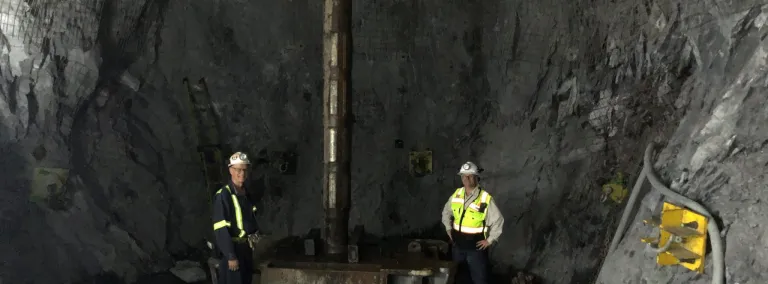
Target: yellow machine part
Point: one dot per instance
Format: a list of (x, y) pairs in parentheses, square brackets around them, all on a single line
[(684, 223), (420, 163), (616, 190), (47, 182)]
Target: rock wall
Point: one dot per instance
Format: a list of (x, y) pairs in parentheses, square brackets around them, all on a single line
[(718, 143), (91, 186), (552, 98)]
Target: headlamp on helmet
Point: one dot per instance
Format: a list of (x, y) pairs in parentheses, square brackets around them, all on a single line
[(238, 158), (469, 168)]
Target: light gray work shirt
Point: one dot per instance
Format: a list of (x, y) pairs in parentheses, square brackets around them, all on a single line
[(493, 219)]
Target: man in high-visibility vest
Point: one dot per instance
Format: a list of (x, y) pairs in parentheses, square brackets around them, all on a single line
[(234, 221), (473, 223)]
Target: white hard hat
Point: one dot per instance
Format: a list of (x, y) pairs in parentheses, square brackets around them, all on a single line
[(238, 158), (469, 168)]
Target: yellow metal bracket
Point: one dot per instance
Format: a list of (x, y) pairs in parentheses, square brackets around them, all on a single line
[(616, 189), (420, 163), (687, 232)]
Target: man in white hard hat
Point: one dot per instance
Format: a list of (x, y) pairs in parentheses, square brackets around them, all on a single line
[(473, 223), (234, 220)]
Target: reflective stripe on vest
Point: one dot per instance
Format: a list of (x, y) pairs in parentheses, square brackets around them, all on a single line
[(473, 221), (238, 214)]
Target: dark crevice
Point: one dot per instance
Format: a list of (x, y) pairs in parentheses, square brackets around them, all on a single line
[(33, 107), (12, 93), (514, 50), (476, 77), (162, 6)]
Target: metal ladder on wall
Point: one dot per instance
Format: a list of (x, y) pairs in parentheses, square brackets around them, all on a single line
[(206, 127)]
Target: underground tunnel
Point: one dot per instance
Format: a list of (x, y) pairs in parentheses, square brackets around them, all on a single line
[(599, 125)]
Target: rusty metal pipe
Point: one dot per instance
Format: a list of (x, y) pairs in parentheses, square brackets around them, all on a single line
[(336, 182)]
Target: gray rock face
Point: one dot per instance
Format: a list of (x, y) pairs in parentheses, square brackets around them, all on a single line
[(88, 187), (100, 171), (719, 142)]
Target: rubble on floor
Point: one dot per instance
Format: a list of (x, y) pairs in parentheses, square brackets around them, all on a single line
[(523, 278), (189, 271)]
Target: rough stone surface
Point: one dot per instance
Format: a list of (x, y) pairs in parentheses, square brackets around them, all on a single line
[(189, 271), (552, 98), (124, 206), (718, 142)]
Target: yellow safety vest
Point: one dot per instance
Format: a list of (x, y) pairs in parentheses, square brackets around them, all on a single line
[(238, 215), (473, 221)]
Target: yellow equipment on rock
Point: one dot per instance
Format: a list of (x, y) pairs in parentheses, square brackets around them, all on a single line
[(682, 237), (420, 163), (616, 189)]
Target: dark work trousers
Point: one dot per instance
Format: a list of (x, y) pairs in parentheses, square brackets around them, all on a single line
[(244, 274), (472, 265)]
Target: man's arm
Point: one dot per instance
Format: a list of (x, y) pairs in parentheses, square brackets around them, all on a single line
[(447, 214), (221, 227), (494, 221)]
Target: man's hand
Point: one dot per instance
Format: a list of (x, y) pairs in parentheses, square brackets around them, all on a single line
[(450, 237), (484, 244), (233, 264), (253, 239)]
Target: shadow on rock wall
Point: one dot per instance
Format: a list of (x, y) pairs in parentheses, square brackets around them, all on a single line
[(86, 187), (106, 208)]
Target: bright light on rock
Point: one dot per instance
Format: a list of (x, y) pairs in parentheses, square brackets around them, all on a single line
[(13, 39)]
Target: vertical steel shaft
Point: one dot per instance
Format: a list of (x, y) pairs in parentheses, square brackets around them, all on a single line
[(336, 60)]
